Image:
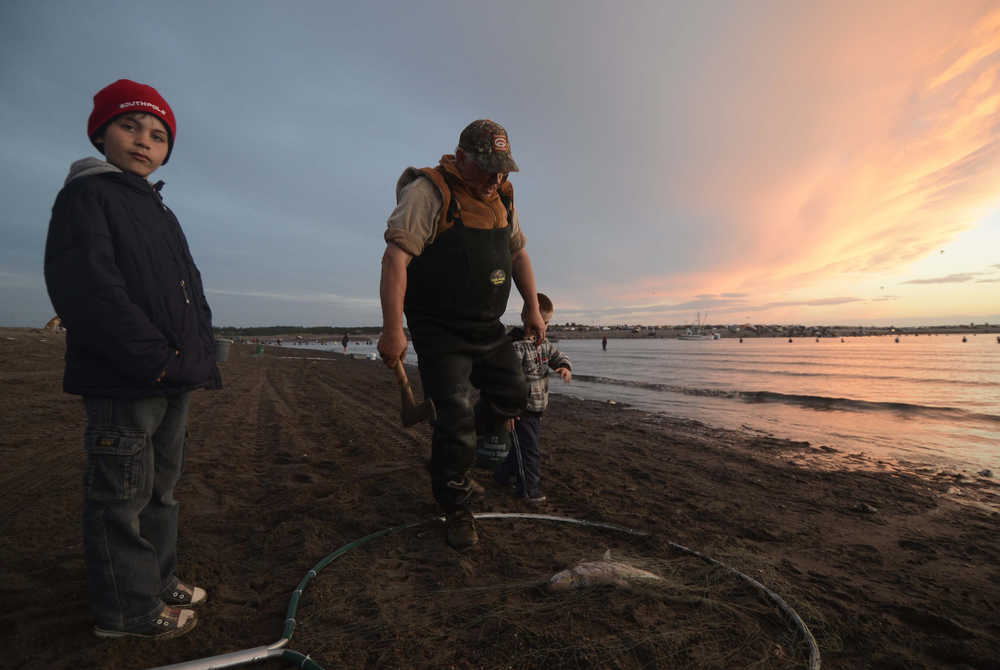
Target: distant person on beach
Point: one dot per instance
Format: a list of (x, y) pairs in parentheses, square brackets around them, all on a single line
[(453, 245), (523, 461), (604, 343), (120, 274), (346, 339)]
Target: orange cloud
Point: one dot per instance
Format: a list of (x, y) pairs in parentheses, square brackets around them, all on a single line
[(909, 161), (986, 42)]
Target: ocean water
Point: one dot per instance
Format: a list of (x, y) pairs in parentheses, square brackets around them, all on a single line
[(927, 399), (930, 399)]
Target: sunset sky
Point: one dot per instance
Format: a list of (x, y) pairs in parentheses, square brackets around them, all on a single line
[(828, 162)]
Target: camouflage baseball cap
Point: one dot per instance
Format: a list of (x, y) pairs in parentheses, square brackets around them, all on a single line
[(486, 143)]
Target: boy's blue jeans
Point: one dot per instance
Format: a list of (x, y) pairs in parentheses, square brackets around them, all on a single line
[(524, 459), (135, 452)]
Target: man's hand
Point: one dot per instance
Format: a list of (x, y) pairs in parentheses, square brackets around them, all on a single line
[(565, 373), (392, 346), (534, 326)]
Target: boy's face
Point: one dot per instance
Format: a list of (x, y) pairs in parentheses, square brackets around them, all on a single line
[(136, 143)]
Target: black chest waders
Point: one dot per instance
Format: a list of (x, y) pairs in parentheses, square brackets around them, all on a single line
[(458, 288)]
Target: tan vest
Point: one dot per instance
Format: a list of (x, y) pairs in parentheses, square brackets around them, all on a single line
[(475, 213)]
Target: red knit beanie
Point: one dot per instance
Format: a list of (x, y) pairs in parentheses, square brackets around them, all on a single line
[(125, 96)]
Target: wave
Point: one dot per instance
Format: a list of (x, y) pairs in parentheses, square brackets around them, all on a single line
[(808, 401), (848, 375)]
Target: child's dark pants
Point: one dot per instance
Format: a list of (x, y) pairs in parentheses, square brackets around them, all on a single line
[(524, 458), (135, 450)]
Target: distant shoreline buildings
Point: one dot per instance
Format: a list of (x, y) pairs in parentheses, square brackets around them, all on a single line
[(569, 331)]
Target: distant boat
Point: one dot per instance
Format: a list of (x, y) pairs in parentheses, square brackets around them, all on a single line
[(692, 335), (697, 333)]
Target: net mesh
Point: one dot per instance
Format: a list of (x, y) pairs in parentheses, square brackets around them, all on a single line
[(408, 601)]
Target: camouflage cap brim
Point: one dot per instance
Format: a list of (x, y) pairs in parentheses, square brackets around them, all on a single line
[(494, 161)]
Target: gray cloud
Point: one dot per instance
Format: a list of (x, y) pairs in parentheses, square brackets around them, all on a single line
[(959, 278), (715, 304), (819, 302), (20, 279)]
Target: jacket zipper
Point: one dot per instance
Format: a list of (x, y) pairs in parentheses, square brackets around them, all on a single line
[(184, 289)]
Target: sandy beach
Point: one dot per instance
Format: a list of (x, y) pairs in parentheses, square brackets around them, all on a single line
[(302, 452)]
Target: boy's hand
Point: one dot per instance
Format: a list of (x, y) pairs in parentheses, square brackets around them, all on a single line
[(565, 373), (534, 325), (392, 346), (509, 425)]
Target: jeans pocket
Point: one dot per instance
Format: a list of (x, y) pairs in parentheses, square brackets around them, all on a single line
[(114, 464)]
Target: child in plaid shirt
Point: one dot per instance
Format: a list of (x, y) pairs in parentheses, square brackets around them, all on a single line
[(524, 459)]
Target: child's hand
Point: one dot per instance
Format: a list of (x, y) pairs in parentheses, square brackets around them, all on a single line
[(509, 425), (565, 373)]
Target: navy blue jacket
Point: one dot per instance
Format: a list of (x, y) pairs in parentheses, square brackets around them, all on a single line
[(121, 278)]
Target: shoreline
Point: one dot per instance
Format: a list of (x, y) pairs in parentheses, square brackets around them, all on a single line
[(779, 332), (292, 458), (333, 334)]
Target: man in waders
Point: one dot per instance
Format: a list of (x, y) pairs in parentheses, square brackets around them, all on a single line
[(453, 244)]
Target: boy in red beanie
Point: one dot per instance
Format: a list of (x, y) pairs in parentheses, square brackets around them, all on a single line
[(139, 340)]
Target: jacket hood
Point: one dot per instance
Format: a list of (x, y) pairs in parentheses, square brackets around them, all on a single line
[(86, 167), (516, 333)]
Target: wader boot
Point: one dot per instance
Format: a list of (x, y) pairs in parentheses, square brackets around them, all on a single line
[(459, 520), (465, 491), (461, 529)]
